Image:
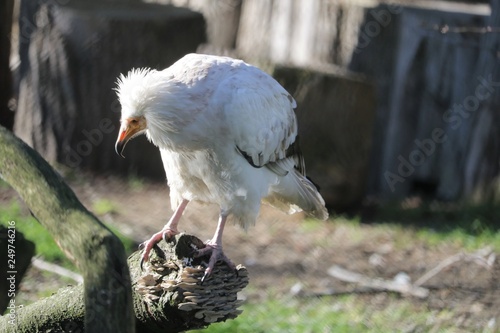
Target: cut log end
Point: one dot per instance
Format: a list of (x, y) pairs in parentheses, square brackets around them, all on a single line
[(172, 279)]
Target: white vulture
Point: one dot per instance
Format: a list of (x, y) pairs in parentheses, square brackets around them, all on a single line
[(227, 134)]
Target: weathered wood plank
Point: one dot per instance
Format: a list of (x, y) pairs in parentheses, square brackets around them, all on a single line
[(299, 32), (67, 109), (6, 115), (335, 113), (436, 129)]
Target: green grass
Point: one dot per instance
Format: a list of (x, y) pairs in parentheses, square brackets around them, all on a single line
[(136, 183), (468, 226), (33, 231), (103, 207), (431, 225), (3, 184), (461, 238), (129, 245), (444, 217), (45, 244), (344, 314)]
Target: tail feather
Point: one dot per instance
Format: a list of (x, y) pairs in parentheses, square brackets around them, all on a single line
[(296, 193)]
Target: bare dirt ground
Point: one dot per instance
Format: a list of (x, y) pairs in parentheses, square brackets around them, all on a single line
[(288, 255)]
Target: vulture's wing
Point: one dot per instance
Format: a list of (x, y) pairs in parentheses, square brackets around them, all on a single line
[(259, 115)]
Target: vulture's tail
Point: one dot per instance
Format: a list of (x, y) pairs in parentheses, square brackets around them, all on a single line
[(295, 193)]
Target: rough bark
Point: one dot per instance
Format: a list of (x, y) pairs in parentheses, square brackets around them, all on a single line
[(13, 264), (168, 296), (67, 109), (6, 114), (96, 251)]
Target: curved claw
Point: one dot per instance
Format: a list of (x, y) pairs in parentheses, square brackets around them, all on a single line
[(215, 255), (144, 256), (206, 275), (150, 243), (141, 263)]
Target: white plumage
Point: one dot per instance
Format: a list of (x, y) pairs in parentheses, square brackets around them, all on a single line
[(227, 135)]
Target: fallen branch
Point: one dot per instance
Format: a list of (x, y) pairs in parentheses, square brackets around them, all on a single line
[(478, 257), (377, 283), (484, 257), (168, 295), (56, 269)]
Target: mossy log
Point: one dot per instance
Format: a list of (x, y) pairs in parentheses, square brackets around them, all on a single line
[(168, 295), (96, 251)]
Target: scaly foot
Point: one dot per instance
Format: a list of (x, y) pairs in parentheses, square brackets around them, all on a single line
[(216, 254), (164, 234)]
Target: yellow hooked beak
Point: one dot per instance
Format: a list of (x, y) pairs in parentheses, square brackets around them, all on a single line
[(130, 128)]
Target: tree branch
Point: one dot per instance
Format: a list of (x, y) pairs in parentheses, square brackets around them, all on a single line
[(56, 269), (377, 283), (168, 295), (96, 251)]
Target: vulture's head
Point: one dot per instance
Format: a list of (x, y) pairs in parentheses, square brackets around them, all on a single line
[(155, 103), (159, 104), (145, 96), (133, 93)]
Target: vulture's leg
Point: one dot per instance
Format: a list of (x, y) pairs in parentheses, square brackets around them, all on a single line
[(214, 247), (169, 230)]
